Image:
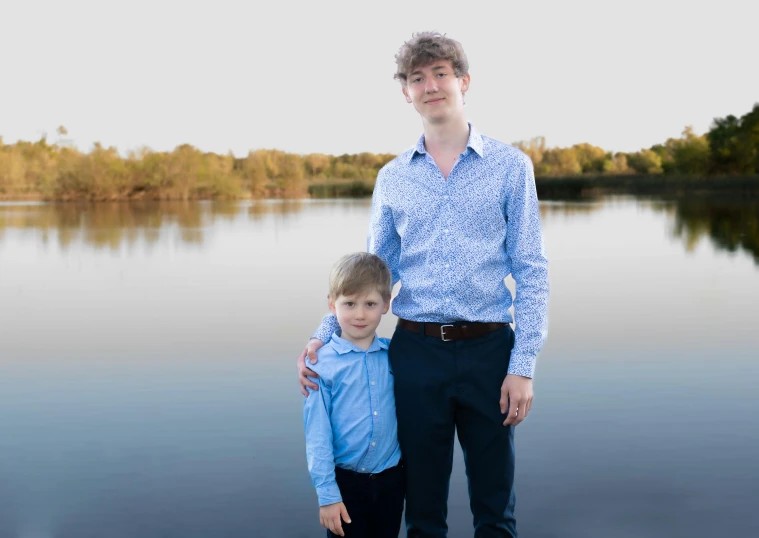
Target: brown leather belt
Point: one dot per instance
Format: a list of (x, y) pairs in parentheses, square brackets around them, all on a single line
[(448, 332)]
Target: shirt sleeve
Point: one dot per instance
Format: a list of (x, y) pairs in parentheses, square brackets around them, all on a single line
[(328, 326), (382, 238), (529, 267), (319, 452)]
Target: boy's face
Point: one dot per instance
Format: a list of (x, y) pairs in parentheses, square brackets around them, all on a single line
[(359, 315), (436, 92)]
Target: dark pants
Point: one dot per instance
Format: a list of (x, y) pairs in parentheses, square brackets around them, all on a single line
[(442, 388), (374, 502)]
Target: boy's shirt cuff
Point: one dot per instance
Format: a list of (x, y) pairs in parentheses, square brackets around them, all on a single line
[(329, 494)]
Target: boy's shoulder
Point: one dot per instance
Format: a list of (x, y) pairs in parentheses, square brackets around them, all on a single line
[(327, 358)]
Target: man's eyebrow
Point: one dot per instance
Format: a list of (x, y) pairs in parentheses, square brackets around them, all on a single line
[(435, 68)]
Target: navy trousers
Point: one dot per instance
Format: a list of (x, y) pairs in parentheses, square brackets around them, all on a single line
[(374, 502), (447, 388)]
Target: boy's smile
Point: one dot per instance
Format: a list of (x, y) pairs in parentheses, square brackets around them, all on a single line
[(359, 315)]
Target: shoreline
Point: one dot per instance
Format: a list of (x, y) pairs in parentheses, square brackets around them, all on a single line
[(566, 187)]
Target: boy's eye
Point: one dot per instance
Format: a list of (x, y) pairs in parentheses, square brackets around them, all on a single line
[(348, 303), (370, 303)]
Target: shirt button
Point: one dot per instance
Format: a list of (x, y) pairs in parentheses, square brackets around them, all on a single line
[(447, 265), (445, 197), (446, 230), (372, 382), (374, 443), (363, 468), (375, 413), (447, 300)]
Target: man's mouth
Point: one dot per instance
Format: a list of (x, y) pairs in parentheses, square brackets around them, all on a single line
[(435, 100)]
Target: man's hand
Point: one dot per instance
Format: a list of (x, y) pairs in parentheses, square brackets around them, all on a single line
[(330, 517), (303, 372), (516, 394)]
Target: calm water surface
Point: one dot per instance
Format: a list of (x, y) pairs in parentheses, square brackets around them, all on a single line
[(148, 389)]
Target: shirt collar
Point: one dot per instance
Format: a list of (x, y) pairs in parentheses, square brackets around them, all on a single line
[(343, 346), (474, 142)]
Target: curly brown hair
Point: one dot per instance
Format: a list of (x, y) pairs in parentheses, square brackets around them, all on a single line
[(424, 48)]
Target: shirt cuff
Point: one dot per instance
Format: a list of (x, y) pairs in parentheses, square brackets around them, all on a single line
[(520, 365), (329, 494)]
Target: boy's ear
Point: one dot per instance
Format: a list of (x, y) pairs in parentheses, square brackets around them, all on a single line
[(386, 307), (331, 304)]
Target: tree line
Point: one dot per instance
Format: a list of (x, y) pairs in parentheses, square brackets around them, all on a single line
[(730, 147), (59, 171)]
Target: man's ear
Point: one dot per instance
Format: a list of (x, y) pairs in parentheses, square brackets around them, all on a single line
[(331, 304), (465, 79), (404, 89)]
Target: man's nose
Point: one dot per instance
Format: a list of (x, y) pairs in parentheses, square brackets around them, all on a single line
[(430, 85)]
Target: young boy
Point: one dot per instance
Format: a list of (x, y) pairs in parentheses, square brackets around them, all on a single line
[(351, 430)]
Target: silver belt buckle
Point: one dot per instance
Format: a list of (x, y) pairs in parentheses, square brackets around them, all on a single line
[(442, 333)]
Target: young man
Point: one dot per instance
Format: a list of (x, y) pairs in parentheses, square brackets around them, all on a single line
[(452, 218), (350, 424)]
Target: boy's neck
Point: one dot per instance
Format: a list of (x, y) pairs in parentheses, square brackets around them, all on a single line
[(448, 137), (362, 343)]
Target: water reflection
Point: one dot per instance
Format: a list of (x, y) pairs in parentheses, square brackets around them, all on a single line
[(731, 224)]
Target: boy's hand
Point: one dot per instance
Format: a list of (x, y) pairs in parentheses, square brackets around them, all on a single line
[(516, 399), (331, 517), (303, 372)]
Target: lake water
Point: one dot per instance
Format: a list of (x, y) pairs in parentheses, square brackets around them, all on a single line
[(148, 385)]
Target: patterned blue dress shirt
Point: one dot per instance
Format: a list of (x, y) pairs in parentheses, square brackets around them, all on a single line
[(350, 421), (452, 242)]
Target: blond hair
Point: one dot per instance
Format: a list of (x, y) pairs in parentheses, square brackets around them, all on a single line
[(360, 272)]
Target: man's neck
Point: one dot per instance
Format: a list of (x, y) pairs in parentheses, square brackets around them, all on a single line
[(448, 137)]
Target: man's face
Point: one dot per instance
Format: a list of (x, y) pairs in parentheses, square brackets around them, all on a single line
[(436, 92)]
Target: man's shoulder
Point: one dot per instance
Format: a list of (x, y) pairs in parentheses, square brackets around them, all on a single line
[(397, 165), (503, 151)]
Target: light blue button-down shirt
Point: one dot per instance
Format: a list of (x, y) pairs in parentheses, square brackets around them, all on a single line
[(452, 242), (350, 421)]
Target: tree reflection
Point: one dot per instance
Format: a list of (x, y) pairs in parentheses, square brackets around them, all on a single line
[(112, 225), (731, 224)]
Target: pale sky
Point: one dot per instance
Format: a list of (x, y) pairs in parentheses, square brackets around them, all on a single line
[(316, 76)]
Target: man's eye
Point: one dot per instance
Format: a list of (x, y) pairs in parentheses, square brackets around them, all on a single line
[(441, 75), (416, 80)]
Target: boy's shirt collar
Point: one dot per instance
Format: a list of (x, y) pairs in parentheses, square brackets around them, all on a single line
[(342, 346), (474, 142)]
